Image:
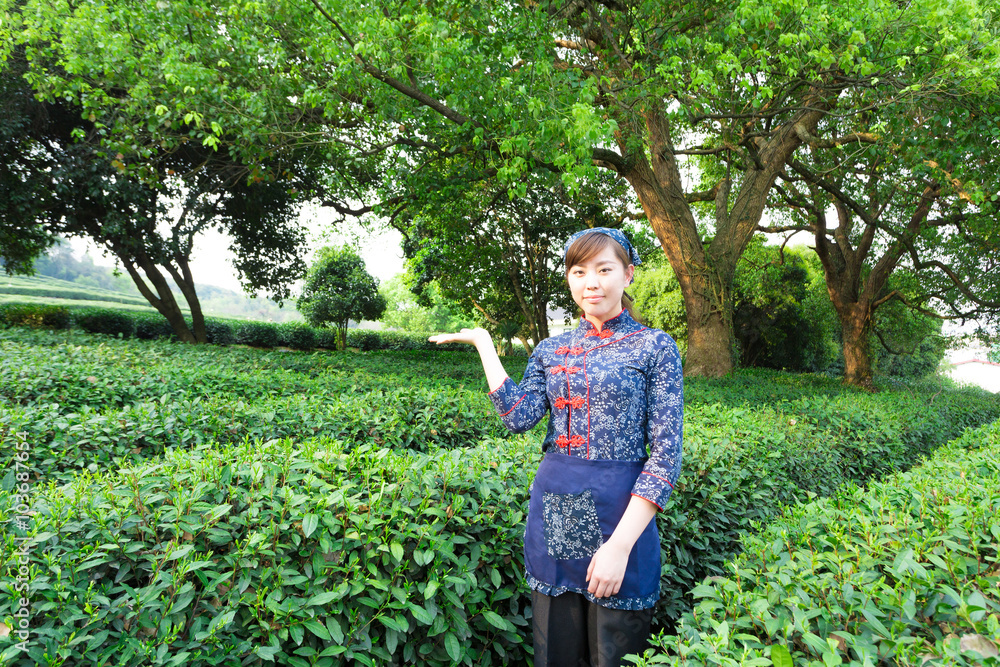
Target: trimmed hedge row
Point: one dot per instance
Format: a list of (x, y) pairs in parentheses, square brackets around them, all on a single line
[(741, 460), (76, 371), (66, 443), (742, 465), (906, 572), (33, 315), (61, 292), (300, 551), (151, 325), (294, 553)]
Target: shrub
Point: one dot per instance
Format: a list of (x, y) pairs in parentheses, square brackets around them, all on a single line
[(398, 341), (742, 466), (257, 334), (282, 551), (326, 338), (296, 335), (105, 429), (904, 572), (35, 315), (105, 321), (753, 441), (219, 332), (149, 326), (364, 339)]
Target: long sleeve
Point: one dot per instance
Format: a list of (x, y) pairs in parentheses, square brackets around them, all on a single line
[(664, 426), (523, 405)]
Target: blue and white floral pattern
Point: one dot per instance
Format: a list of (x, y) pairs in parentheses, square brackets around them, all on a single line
[(572, 529), (612, 395), (616, 394)]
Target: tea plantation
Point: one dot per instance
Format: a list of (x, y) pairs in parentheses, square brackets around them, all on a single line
[(204, 505)]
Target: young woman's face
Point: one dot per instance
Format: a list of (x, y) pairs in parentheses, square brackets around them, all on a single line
[(598, 283)]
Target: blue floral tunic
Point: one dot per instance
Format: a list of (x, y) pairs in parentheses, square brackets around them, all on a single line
[(614, 395)]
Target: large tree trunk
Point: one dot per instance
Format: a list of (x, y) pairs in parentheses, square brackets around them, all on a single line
[(185, 281), (705, 274), (711, 344), (163, 300), (856, 328)]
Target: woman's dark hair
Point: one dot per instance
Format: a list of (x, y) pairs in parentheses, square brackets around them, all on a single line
[(589, 246)]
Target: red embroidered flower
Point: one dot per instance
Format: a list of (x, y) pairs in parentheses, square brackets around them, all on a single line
[(562, 350), (576, 350), (603, 333), (567, 369), (563, 441), (576, 402)]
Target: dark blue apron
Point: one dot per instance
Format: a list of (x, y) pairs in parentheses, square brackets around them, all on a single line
[(575, 506)]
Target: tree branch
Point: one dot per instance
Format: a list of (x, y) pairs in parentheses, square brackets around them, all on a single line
[(706, 195), (410, 91), (803, 171), (815, 142)]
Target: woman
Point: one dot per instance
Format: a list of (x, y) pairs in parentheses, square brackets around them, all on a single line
[(613, 388)]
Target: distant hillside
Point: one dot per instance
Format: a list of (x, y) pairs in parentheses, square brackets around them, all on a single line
[(61, 277)]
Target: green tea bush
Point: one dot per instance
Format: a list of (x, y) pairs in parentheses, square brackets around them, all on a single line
[(365, 339), (905, 572), (742, 465), (35, 315), (257, 334), (296, 335), (149, 326), (326, 338), (219, 331), (105, 321), (60, 292), (754, 441), (397, 341), (294, 553), (66, 443)]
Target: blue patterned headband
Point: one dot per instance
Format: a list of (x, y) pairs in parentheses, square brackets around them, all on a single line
[(613, 233)]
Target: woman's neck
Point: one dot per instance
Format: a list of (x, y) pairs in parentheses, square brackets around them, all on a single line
[(599, 323)]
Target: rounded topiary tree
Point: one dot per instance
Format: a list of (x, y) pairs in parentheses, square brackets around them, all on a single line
[(338, 289)]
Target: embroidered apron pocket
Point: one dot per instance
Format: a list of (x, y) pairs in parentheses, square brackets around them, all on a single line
[(572, 529)]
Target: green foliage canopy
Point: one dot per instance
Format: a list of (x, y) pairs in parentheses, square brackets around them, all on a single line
[(403, 311), (337, 289), (58, 179), (387, 93)]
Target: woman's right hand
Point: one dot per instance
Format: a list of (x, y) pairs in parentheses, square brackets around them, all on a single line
[(483, 341), (469, 336)]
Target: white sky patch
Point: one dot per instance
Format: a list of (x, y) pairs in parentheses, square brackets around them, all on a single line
[(211, 261)]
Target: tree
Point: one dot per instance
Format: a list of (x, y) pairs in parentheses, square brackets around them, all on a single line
[(395, 94), (338, 289), (403, 311), (501, 257), (781, 319), (922, 198), (55, 180), (773, 323)]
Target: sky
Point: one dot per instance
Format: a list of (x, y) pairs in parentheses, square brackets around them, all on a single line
[(211, 261)]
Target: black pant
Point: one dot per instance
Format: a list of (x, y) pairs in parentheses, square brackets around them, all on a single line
[(571, 631)]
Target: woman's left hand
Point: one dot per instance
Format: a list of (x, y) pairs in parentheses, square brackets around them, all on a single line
[(607, 569)]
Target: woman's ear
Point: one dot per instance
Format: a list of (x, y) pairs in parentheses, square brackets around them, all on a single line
[(629, 274)]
